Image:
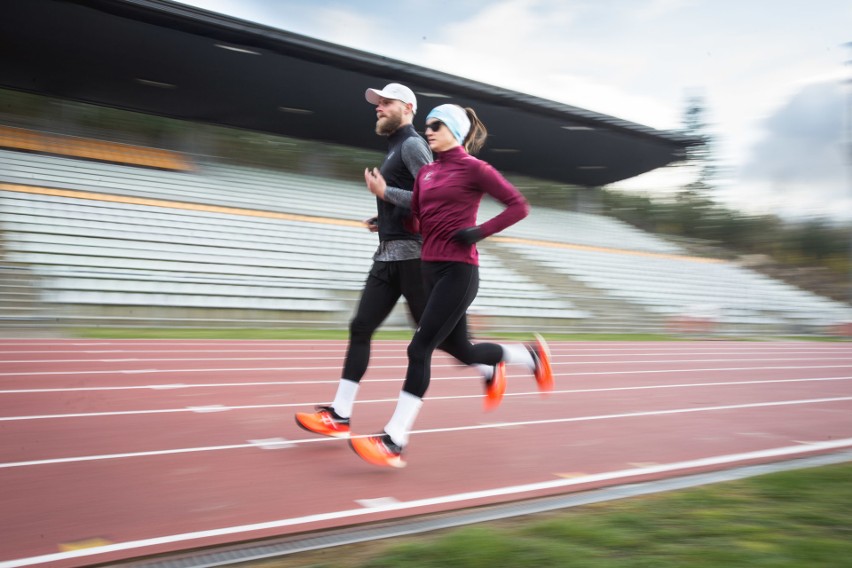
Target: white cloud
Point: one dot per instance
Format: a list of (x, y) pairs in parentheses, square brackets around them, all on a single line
[(526, 45), (634, 59), (352, 29), (656, 9), (798, 164)]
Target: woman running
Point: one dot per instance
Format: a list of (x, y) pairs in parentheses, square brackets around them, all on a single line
[(445, 201)]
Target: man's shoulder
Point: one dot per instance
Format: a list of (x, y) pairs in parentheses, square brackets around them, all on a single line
[(408, 135), (415, 153), (415, 143)]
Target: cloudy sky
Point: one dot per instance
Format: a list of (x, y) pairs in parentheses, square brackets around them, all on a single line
[(772, 73)]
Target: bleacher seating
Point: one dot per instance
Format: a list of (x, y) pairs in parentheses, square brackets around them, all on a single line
[(680, 286), (127, 252), (235, 237), (87, 148), (584, 229), (212, 184)]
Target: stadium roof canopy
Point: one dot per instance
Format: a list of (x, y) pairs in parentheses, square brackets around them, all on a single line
[(173, 60)]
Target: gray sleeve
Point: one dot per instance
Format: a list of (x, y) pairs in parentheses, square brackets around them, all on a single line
[(398, 197), (415, 154)]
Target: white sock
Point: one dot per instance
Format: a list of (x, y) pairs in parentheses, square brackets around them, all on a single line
[(485, 370), (518, 355), (407, 408), (345, 398)]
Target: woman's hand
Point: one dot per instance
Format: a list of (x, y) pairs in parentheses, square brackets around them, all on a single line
[(468, 236)]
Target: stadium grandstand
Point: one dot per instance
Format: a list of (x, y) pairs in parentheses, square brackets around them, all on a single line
[(204, 182)]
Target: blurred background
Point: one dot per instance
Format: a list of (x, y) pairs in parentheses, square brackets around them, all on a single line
[(166, 166)]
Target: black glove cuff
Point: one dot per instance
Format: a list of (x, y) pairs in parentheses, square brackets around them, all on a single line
[(469, 236)]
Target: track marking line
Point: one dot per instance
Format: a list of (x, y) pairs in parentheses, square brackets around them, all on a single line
[(822, 357), (272, 443), (83, 544), (398, 367), (516, 490), (453, 378), (208, 408), (373, 401), (403, 366), (377, 502), (51, 461)]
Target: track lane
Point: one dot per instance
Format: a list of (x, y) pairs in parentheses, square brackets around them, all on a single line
[(615, 421)]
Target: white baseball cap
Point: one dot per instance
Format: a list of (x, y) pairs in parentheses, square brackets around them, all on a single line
[(392, 91)]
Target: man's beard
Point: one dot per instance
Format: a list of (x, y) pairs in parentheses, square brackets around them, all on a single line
[(388, 125)]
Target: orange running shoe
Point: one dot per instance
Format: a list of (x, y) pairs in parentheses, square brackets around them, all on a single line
[(543, 370), (379, 449), (324, 421), (495, 387)]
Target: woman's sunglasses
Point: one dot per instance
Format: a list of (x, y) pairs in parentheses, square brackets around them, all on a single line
[(434, 126)]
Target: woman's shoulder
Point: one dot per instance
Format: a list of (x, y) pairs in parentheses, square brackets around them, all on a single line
[(478, 165), (428, 166)]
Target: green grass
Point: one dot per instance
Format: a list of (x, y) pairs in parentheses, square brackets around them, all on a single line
[(793, 519)]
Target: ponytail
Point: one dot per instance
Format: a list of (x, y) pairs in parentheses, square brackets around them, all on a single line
[(475, 139)]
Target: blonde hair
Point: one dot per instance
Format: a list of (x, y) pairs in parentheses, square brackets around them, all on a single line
[(475, 139)]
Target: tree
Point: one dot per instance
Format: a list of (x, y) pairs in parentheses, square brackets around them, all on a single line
[(699, 156)]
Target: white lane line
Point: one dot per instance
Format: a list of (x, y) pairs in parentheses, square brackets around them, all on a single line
[(177, 386), (191, 342), (402, 366), (32, 345), (566, 350), (208, 409), (455, 397), (377, 502), (272, 443), (393, 505), (450, 378), (443, 430), (206, 370), (401, 355), (130, 455), (300, 356), (212, 349)]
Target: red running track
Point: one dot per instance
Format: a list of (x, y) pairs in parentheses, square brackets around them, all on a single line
[(124, 448)]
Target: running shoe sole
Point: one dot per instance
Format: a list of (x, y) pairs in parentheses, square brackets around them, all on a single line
[(495, 388), (372, 450), (312, 423), (544, 369)]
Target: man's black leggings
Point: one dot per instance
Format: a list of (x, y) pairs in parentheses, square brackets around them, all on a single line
[(450, 289), (386, 282)]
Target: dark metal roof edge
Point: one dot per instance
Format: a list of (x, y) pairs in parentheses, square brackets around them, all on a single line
[(162, 11)]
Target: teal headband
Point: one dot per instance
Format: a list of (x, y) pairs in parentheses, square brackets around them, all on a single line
[(454, 117)]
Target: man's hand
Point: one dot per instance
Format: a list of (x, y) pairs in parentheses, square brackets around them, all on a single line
[(375, 182)]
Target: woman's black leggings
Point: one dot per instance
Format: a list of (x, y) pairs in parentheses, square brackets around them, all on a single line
[(450, 289)]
